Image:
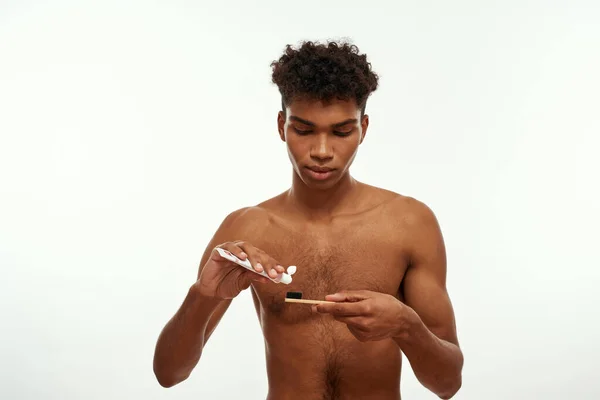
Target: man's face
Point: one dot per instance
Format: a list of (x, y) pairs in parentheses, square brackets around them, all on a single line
[(322, 138)]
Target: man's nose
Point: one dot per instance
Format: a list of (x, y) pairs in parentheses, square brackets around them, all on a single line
[(322, 149)]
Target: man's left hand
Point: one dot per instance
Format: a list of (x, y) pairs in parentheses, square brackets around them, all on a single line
[(369, 315)]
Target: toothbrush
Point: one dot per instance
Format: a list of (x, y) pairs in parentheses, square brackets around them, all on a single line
[(284, 277), (296, 297)]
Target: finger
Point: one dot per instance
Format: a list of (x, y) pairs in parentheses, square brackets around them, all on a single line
[(253, 255), (232, 248), (272, 267), (267, 263), (341, 309), (259, 260), (349, 295), (250, 277), (357, 322), (245, 279), (279, 268)]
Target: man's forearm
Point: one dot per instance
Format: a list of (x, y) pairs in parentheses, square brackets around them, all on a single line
[(436, 363), (180, 343)]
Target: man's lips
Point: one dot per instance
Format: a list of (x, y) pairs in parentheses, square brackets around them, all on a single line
[(320, 173), (320, 169)]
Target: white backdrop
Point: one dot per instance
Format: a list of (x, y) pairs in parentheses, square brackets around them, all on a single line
[(118, 120)]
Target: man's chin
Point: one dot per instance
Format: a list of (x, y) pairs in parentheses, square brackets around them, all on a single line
[(320, 184)]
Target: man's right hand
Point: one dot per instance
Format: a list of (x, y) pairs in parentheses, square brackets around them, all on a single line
[(224, 279)]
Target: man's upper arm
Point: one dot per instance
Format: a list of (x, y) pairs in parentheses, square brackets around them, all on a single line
[(228, 231), (424, 284)]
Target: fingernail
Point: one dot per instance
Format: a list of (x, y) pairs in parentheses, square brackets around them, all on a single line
[(259, 266), (243, 255)]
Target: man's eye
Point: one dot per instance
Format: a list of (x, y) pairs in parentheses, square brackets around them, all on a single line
[(343, 133), (301, 132)]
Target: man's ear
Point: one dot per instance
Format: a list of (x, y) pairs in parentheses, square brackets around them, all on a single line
[(364, 124), (281, 125)]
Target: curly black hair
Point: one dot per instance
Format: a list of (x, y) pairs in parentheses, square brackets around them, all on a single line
[(324, 72)]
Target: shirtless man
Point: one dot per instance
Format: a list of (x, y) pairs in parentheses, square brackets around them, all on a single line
[(377, 255)]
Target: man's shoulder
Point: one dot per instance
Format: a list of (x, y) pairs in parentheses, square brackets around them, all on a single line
[(251, 219), (407, 207), (413, 209), (415, 223), (246, 219)]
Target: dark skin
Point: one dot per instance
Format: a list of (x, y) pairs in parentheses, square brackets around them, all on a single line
[(379, 257)]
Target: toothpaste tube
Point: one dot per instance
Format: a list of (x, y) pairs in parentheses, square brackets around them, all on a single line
[(284, 277)]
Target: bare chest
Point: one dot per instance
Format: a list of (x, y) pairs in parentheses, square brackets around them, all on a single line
[(329, 261)]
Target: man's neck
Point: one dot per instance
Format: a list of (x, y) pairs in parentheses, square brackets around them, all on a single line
[(322, 204)]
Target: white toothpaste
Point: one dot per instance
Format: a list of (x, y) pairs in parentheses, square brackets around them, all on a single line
[(284, 277)]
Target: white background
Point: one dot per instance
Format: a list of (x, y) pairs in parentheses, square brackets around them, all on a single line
[(119, 119)]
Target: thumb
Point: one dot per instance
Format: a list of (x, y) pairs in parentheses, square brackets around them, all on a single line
[(246, 278), (348, 295), (243, 281)]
